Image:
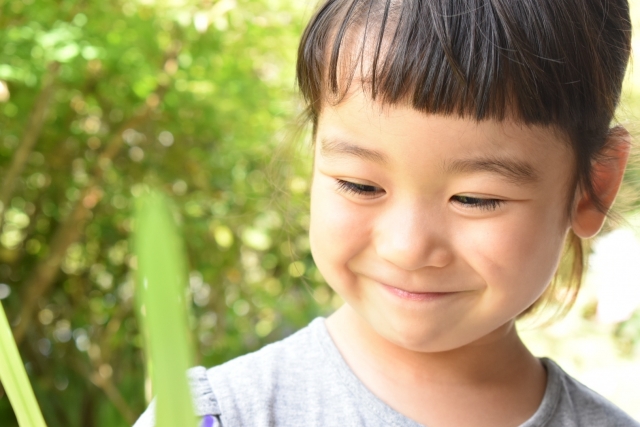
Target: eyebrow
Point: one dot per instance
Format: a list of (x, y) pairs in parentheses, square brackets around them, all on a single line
[(515, 171), (335, 148)]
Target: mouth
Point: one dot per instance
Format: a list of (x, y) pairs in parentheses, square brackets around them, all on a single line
[(417, 296)]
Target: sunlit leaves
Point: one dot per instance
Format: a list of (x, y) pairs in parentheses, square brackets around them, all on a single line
[(223, 99)]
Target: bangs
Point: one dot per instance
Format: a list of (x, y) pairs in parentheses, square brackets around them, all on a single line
[(547, 62)]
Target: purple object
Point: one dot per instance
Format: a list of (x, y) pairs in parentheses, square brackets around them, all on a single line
[(208, 421)]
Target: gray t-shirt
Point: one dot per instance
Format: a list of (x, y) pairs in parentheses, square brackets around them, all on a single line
[(304, 381)]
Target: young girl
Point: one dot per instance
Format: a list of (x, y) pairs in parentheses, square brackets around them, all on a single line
[(458, 145)]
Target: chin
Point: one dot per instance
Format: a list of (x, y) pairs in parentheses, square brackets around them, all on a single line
[(419, 338), (414, 337)]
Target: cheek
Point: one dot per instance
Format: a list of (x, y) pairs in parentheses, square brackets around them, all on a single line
[(517, 256), (337, 233)]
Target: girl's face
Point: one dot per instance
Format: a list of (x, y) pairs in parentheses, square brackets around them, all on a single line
[(436, 230)]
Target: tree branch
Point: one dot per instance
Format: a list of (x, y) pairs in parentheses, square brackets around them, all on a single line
[(69, 232), (115, 397), (29, 138), (102, 355), (46, 271), (71, 229)]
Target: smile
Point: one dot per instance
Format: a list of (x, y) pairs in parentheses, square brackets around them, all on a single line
[(417, 296)]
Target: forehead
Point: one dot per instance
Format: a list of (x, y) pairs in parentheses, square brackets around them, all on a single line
[(394, 135)]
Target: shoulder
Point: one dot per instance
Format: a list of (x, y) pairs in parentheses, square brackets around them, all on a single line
[(237, 392), (568, 402), (281, 365), (288, 347), (286, 383), (205, 403)]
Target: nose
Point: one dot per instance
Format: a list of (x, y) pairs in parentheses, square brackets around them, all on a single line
[(412, 238)]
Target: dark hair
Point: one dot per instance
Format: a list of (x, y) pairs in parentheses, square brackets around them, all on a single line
[(556, 63)]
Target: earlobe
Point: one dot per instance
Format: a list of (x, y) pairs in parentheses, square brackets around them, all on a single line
[(606, 175)]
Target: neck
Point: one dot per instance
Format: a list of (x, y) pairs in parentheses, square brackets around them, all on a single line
[(491, 372), (493, 355)]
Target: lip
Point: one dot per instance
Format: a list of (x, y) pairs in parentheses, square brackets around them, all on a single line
[(417, 296)]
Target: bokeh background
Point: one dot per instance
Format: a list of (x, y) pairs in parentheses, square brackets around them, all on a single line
[(100, 99)]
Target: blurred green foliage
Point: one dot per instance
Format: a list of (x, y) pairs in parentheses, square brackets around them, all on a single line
[(103, 99), (99, 100), (163, 309)]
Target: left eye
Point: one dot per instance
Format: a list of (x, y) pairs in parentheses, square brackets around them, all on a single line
[(478, 203), (358, 189)]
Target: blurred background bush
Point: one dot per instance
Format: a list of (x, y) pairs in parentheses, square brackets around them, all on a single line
[(100, 99)]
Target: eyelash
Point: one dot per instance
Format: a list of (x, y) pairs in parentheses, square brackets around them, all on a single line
[(478, 203), (371, 191), (357, 189)]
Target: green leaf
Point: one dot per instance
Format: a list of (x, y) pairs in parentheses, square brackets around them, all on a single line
[(15, 380), (161, 293)]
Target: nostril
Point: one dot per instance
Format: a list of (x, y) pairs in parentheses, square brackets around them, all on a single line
[(415, 254)]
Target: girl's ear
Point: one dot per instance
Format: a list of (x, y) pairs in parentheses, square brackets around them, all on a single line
[(606, 175)]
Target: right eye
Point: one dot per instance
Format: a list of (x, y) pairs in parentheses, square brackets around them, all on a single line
[(478, 203), (358, 189)]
